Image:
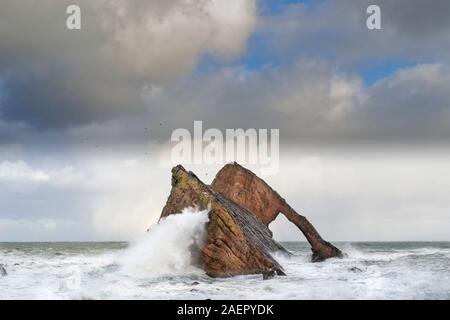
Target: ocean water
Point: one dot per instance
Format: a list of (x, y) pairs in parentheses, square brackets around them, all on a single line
[(159, 266)]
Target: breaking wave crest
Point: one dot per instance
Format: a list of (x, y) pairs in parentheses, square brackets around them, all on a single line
[(160, 265), (169, 247)]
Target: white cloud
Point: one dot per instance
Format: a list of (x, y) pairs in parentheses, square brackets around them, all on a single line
[(352, 194), (19, 172), (368, 194), (162, 39), (37, 229), (126, 195)]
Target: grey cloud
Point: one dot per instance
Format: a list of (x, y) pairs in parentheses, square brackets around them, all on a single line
[(413, 104), (60, 98), (55, 78), (337, 30), (312, 102), (418, 17), (102, 97)]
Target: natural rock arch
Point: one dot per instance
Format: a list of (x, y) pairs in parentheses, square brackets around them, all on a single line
[(240, 205), (243, 187)]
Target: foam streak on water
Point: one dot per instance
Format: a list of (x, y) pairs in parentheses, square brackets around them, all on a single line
[(159, 266)]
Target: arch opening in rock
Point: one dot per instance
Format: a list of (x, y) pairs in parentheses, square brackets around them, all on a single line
[(285, 231)]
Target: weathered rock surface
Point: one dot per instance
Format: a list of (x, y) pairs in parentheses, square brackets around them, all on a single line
[(268, 274), (237, 243), (241, 207), (355, 269), (3, 272), (250, 192)]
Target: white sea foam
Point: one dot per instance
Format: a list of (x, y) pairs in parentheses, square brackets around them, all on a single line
[(159, 266), (169, 247)]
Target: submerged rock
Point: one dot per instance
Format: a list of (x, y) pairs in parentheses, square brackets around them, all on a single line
[(3, 272), (238, 240), (268, 274), (355, 269)]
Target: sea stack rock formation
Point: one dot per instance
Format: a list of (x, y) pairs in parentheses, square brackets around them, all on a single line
[(250, 192), (237, 243), (238, 240)]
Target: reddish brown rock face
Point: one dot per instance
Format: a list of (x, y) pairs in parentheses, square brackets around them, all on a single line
[(241, 207), (237, 243), (243, 187)]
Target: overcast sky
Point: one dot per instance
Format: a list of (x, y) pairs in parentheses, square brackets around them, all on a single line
[(86, 116)]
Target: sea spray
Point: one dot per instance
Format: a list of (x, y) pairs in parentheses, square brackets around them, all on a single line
[(390, 270), (170, 247)]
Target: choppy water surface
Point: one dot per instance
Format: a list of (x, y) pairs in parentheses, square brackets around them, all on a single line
[(157, 266)]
